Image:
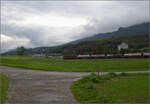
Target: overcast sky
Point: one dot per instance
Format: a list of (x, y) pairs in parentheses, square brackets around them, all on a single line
[(49, 23)]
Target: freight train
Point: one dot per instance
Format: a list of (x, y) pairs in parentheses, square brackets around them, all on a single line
[(98, 56)]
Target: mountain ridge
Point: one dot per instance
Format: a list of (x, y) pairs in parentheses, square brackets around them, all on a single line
[(131, 31), (120, 30)]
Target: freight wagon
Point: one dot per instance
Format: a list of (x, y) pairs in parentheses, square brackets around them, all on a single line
[(100, 56)]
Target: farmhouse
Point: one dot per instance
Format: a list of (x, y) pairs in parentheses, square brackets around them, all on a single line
[(123, 46)]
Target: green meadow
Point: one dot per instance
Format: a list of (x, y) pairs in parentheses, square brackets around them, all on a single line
[(111, 88), (4, 84), (76, 65)]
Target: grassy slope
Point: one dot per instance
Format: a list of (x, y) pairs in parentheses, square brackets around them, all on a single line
[(4, 84), (85, 65), (133, 88)]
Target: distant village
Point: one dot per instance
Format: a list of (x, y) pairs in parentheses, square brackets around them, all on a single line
[(121, 48)]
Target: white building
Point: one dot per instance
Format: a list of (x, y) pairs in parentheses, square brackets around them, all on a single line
[(123, 46)]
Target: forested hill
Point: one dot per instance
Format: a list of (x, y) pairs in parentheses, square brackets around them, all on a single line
[(136, 36), (108, 45), (139, 29)]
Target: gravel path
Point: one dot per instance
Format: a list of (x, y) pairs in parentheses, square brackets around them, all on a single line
[(42, 87)]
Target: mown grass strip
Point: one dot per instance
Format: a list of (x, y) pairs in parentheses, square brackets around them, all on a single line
[(112, 88), (4, 85)]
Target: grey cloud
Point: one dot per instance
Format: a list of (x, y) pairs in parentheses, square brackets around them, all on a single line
[(36, 35), (101, 18)]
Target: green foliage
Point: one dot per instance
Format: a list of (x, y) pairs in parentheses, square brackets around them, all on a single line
[(92, 78), (112, 88), (112, 74), (107, 46), (124, 74), (20, 51), (84, 65), (85, 90), (4, 84)]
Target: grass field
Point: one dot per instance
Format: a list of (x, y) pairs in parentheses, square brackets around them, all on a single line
[(4, 84), (77, 65), (131, 88)]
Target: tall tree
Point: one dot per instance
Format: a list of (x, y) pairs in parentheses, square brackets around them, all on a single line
[(20, 51)]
